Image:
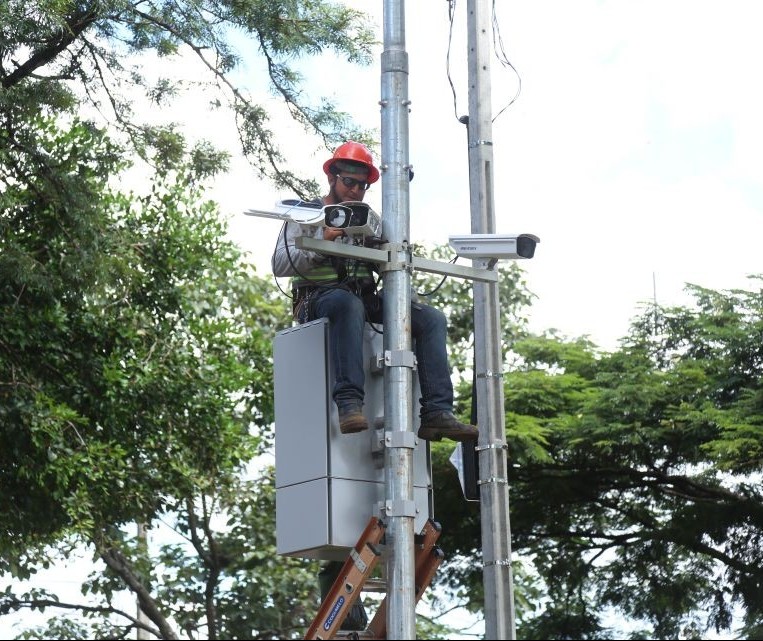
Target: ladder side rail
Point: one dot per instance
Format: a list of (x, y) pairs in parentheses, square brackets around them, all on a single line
[(349, 582)]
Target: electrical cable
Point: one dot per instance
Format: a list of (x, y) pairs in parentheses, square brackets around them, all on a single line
[(442, 281), (498, 50), (451, 14), (500, 54)]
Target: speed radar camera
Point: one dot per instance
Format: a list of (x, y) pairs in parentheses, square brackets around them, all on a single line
[(496, 246), (356, 218)]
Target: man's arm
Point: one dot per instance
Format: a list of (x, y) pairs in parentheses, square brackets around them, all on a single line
[(287, 259)]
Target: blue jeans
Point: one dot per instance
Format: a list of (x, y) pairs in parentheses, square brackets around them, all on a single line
[(347, 317)]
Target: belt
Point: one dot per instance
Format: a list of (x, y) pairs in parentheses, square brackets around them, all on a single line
[(355, 285)]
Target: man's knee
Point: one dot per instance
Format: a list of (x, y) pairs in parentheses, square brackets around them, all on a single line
[(428, 316), (340, 307)]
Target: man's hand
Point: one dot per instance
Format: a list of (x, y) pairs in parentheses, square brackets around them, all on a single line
[(331, 233)]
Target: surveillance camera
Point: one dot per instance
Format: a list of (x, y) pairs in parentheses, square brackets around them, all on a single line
[(354, 217), (497, 246)]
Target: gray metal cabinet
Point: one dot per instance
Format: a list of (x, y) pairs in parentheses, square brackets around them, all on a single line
[(328, 484)]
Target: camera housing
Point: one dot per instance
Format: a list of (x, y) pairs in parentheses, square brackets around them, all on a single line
[(354, 217), (497, 246)]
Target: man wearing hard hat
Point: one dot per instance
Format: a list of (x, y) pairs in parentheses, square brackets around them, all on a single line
[(344, 291)]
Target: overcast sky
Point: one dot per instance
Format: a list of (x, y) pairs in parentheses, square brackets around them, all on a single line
[(633, 151)]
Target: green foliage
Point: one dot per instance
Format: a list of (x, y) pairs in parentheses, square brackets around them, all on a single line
[(454, 297), (634, 476), (57, 53), (252, 592), (136, 380)]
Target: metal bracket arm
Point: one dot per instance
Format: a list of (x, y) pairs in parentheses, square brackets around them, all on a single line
[(382, 257), (340, 249), (459, 271)]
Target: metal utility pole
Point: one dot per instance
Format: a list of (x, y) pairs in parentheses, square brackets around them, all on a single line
[(400, 508), (493, 466)]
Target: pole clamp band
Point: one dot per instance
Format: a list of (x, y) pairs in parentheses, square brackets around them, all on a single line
[(491, 446), (399, 358), (490, 374), (399, 438), (400, 508), (493, 479), (506, 562)]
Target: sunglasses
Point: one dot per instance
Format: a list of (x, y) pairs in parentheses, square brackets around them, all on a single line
[(353, 182)]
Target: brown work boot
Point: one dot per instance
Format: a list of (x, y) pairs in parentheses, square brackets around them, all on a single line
[(351, 419), (439, 425)]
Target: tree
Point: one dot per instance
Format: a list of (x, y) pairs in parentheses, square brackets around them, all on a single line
[(58, 54), (633, 476), (133, 367), (135, 378)]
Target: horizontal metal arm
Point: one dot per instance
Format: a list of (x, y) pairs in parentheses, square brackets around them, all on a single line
[(381, 257)]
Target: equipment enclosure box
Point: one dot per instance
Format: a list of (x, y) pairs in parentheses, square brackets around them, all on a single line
[(329, 484)]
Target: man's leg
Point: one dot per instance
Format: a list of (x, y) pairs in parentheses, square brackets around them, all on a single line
[(346, 318), (429, 328)]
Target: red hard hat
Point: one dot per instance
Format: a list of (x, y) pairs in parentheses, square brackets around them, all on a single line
[(356, 152)]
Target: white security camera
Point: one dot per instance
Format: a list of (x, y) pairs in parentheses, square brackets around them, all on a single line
[(496, 246), (356, 218)]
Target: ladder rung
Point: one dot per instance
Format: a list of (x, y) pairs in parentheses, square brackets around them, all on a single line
[(347, 634)]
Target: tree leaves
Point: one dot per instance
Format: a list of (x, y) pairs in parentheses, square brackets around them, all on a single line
[(633, 477)]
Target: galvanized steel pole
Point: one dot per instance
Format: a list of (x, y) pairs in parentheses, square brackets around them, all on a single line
[(493, 466), (398, 354)]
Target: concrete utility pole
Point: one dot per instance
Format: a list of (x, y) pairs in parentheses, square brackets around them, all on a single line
[(400, 508), (493, 467)]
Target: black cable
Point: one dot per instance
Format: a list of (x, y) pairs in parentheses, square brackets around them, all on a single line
[(343, 282), (440, 284), (501, 56)]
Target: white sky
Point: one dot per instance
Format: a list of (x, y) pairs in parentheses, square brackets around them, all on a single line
[(634, 150)]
